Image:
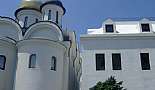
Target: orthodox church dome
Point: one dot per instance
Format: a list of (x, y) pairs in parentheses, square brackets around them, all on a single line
[(29, 5), (33, 4)]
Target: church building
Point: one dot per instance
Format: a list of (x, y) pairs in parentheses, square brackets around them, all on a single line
[(35, 52)]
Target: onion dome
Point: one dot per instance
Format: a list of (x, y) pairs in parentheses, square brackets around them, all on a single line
[(29, 4)]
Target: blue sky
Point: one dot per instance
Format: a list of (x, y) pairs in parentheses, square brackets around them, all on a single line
[(84, 14)]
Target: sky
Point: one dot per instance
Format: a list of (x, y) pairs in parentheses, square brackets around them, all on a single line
[(83, 14)]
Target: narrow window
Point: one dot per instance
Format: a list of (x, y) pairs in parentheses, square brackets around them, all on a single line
[(145, 63), (100, 62), (57, 17), (109, 28), (116, 61), (25, 21), (145, 27), (32, 61), (53, 63), (2, 62), (36, 20), (49, 15), (66, 38)]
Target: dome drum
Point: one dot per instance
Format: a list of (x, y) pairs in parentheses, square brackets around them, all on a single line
[(57, 3)]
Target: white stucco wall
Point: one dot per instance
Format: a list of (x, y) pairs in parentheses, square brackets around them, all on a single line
[(133, 76), (41, 77), (9, 50), (130, 46), (8, 29), (44, 30)]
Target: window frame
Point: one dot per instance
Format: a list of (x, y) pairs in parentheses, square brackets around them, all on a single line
[(4, 63), (53, 63), (30, 61), (117, 66), (106, 29), (143, 30), (144, 65), (100, 67)]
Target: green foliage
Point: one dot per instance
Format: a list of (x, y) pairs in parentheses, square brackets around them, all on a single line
[(110, 84)]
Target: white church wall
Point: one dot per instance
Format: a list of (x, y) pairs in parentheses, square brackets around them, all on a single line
[(41, 77), (9, 50), (44, 31), (9, 29)]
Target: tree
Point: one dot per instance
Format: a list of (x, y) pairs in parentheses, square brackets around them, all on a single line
[(110, 84)]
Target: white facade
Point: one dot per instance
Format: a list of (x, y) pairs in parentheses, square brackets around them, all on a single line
[(129, 40), (30, 34)]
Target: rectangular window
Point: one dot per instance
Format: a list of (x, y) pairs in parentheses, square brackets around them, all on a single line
[(32, 61), (100, 62), (145, 63), (109, 28), (116, 61), (57, 17), (53, 63), (145, 27), (2, 62)]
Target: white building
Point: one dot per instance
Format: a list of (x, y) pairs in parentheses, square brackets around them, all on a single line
[(35, 52), (121, 48)]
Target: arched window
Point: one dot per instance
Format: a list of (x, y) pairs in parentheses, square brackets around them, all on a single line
[(57, 17), (32, 61), (49, 15), (53, 63), (25, 21), (2, 62)]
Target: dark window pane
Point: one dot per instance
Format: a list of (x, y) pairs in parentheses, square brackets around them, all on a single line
[(145, 27), (25, 22), (32, 61), (116, 61), (57, 17), (109, 28), (53, 63), (66, 38), (145, 63), (100, 62), (37, 20), (2, 62), (49, 15)]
